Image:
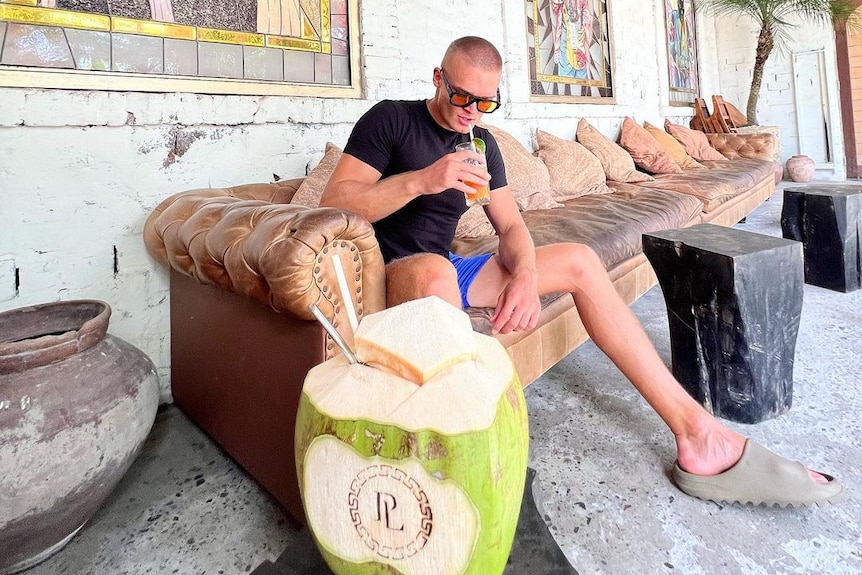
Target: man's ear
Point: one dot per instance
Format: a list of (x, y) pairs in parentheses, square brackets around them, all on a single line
[(437, 78)]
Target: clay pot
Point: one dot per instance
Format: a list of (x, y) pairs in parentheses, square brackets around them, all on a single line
[(800, 168), (76, 405)]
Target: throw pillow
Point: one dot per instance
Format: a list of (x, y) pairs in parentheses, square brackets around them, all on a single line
[(616, 162), (695, 142), (672, 147), (311, 189), (529, 179), (474, 224), (645, 150), (574, 170)]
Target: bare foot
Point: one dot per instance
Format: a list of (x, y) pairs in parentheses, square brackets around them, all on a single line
[(714, 449), (709, 451)]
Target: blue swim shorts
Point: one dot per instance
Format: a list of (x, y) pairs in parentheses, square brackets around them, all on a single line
[(467, 268)]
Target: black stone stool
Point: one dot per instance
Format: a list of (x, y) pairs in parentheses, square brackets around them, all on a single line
[(828, 222), (734, 301)]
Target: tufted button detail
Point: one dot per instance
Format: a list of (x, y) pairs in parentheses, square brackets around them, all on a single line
[(756, 145), (250, 240)]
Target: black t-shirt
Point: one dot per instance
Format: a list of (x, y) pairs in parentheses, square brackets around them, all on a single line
[(395, 137)]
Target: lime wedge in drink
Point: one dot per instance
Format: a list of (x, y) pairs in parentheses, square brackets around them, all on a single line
[(480, 145)]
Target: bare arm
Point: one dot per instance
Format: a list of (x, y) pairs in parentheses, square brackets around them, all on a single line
[(517, 252), (356, 186), (518, 306)]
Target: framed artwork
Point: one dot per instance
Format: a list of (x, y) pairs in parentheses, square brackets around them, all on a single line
[(292, 47), (681, 51), (570, 50)]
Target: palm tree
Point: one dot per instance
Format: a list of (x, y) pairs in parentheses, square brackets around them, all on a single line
[(773, 17)]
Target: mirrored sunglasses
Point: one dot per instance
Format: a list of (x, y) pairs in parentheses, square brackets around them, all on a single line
[(461, 100)]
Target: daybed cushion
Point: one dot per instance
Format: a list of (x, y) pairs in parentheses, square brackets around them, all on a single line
[(721, 181), (311, 188), (647, 153), (616, 162), (529, 181), (474, 224), (575, 171), (528, 177), (672, 147), (612, 224), (694, 141)]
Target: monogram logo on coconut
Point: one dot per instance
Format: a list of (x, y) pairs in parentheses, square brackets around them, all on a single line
[(390, 511)]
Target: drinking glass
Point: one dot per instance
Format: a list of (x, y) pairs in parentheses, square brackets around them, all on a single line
[(481, 194)]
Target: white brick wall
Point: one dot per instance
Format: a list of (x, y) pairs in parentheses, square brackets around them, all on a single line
[(80, 171), (777, 103)]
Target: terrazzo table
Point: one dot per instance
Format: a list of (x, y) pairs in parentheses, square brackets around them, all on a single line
[(734, 302)]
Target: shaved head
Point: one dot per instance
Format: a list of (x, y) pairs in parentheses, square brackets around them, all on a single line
[(477, 51)]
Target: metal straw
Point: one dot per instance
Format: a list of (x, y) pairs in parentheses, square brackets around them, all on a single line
[(333, 333)]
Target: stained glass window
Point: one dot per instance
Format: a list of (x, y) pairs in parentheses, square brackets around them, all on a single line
[(242, 46)]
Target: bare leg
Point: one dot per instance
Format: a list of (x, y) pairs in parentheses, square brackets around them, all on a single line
[(419, 276), (704, 445)]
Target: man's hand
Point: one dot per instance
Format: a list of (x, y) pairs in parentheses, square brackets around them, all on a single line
[(452, 171), (518, 306)]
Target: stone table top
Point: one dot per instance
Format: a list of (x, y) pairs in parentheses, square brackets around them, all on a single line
[(721, 239), (827, 190)]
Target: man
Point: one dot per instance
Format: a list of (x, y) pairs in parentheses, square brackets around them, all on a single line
[(399, 170)]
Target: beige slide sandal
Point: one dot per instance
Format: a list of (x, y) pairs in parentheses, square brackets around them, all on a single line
[(761, 476)]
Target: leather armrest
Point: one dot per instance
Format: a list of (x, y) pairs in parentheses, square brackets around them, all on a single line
[(755, 145), (245, 239)]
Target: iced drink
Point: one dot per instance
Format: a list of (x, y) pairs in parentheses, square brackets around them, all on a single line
[(481, 194)]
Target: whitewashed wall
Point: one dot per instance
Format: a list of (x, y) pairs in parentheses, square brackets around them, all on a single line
[(777, 104), (80, 171)]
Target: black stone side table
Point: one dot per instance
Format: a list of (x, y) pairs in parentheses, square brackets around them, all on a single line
[(734, 302), (828, 222)]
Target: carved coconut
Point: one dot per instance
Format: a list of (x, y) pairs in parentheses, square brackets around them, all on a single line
[(414, 460)]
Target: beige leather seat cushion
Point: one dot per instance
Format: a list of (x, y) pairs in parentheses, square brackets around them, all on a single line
[(611, 224), (721, 181)]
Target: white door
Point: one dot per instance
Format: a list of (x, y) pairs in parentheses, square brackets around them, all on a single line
[(812, 106)]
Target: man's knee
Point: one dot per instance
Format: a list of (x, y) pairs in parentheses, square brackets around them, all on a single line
[(420, 276), (581, 260), (437, 277)]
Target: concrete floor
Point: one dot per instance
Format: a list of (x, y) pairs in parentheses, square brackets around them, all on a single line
[(602, 459)]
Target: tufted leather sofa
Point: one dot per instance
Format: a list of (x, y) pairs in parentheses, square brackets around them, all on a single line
[(245, 265), (756, 145)]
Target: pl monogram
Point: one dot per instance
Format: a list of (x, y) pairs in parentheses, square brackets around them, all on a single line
[(390, 511)]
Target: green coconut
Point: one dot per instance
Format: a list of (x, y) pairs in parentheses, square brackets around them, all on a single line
[(414, 464)]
